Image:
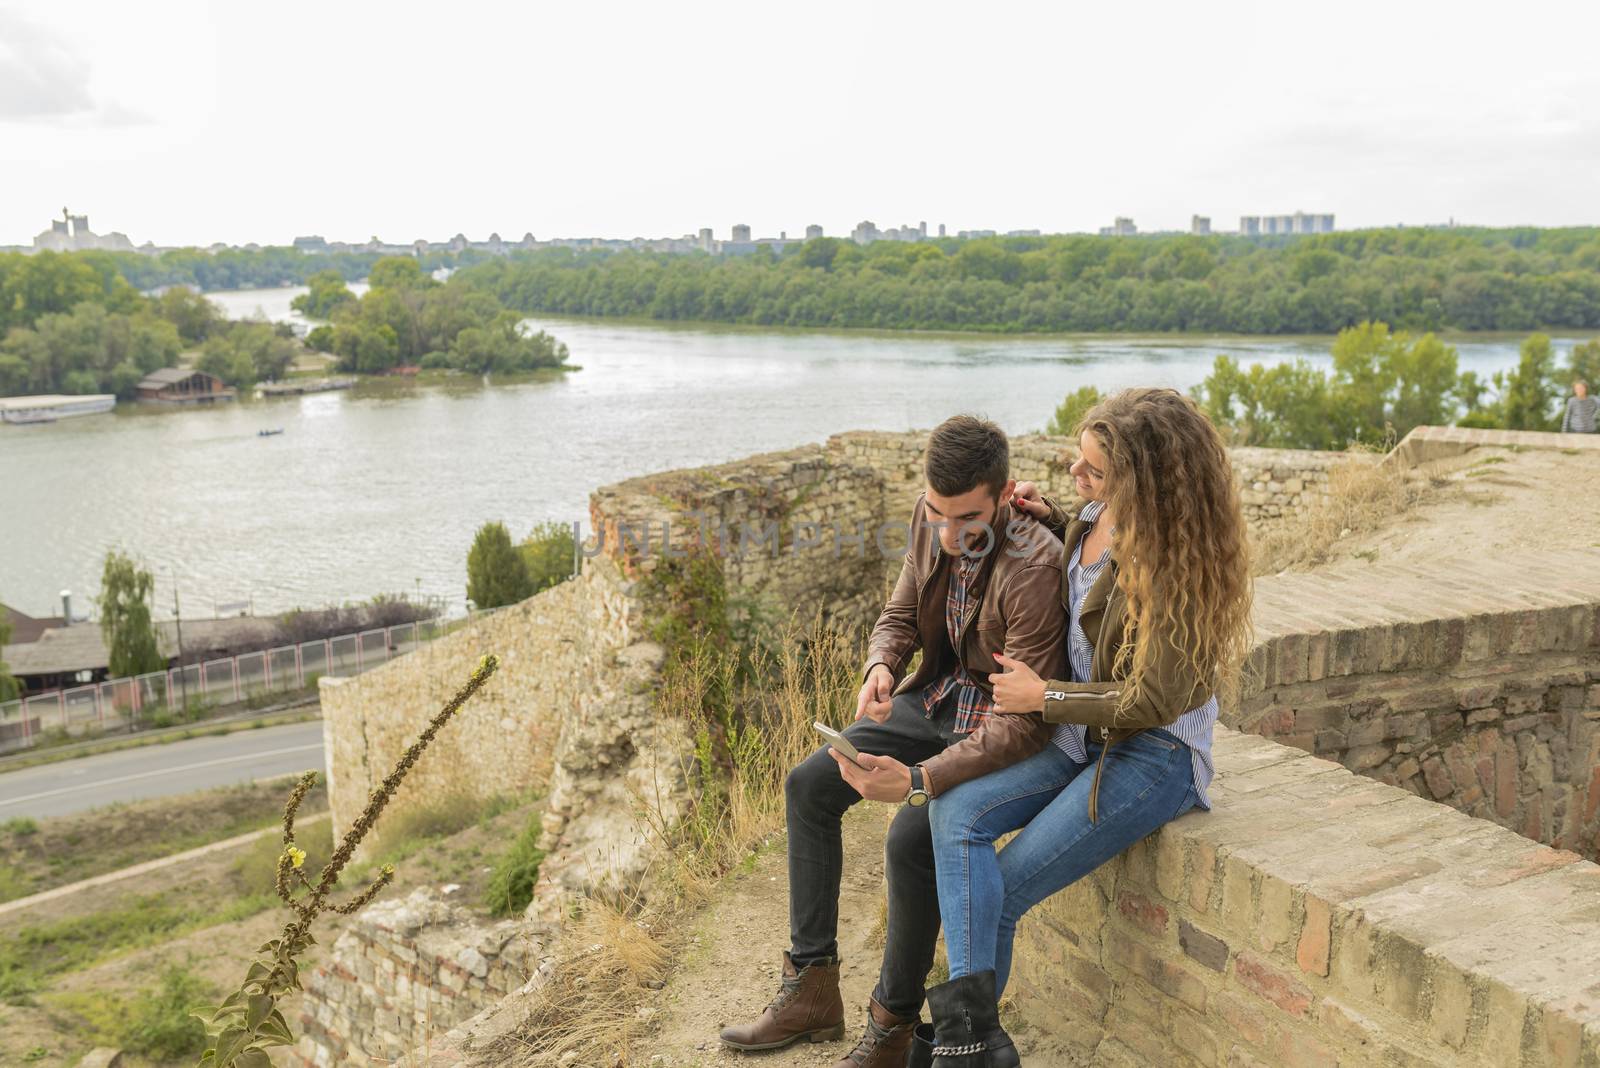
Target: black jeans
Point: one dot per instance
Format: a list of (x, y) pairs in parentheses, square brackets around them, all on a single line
[(818, 798)]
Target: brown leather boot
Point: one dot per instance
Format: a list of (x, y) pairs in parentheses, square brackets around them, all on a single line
[(807, 1006), (887, 1043)]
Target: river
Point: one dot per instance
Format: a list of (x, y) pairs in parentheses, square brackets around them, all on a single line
[(380, 489)]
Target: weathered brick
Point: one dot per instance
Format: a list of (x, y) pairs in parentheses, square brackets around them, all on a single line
[(1316, 934), (1347, 1026), (1437, 777), (1242, 1018), (1300, 1049), (1208, 949), (1203, 870), (1269, 982), (1481, 695), (1142, 911), (1192, 1034), (1169, 864), (1451, 1009)]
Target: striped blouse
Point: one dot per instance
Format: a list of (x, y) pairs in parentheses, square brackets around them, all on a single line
[(1193, 728)]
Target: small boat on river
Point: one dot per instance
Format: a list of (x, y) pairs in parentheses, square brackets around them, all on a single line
[(48, 407)]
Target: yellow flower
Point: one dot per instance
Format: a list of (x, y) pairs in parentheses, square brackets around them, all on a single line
[(296, 856)]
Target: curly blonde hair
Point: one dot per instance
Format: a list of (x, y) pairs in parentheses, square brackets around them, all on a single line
[(1182, 548)]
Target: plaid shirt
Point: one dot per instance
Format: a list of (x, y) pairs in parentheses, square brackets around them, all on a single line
[(972, 704)]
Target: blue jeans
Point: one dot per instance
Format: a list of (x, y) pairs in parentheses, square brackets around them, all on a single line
[(1147, 780)]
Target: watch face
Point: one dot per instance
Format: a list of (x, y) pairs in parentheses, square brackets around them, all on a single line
[(917, 799)]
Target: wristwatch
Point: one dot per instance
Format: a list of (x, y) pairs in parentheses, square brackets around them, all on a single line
[(916, 797)]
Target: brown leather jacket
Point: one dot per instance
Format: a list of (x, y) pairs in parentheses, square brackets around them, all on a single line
[(1168, 688), (1018, 587)]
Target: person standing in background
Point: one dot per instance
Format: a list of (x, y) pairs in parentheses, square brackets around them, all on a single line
[(1580, 413)]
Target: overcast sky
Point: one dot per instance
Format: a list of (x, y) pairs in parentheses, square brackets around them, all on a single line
[(184, 122)]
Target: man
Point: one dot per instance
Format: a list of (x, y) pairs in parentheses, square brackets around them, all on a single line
[(1579, 416), (978, 579)]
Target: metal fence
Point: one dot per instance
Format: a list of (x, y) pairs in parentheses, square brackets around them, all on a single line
[(144, 700)]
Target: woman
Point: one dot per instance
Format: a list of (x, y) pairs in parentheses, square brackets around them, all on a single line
[(1157, 592)]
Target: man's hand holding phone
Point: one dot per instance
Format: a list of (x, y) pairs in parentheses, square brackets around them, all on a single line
[(876, 778), (876, 694)]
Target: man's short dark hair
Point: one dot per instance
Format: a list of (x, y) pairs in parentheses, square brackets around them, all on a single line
[(965, 452)]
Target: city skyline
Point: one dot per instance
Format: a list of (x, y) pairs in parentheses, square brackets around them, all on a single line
[(247, 123)]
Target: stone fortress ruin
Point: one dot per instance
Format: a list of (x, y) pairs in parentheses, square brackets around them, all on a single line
[(1399, 867)]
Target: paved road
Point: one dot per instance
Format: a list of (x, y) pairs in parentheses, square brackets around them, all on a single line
[(159, 770)]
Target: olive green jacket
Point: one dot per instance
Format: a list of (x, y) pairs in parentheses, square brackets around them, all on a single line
[(1168, 687)]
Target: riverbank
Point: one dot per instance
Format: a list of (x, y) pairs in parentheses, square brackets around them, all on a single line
[(1222, 340)]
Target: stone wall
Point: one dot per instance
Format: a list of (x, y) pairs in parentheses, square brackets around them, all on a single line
[(402, 973), (558, 653), (1315, 918), (1482, 695)]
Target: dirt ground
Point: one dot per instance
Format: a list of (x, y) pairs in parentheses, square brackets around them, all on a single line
[(217, 954), (1498, 502), (735, 957)]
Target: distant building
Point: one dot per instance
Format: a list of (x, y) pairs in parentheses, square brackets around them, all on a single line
[(1022, 233), (314, 244), (706, 242), (69, 655), (184, 385), (813, 232), (1122, 227), (26, 628), (965, 234), (741, 233), (71, 233), (1298, 223), (941, 229), (1200, 224), (867, 232)]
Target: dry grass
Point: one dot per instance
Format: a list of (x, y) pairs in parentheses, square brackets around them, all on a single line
[(1363, 493), (751, 713)]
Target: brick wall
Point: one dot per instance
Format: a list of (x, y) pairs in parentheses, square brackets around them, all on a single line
[(1318, 918), (1482, 695), (401, 974)]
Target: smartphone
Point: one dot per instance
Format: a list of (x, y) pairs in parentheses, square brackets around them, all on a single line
[(840, 743)]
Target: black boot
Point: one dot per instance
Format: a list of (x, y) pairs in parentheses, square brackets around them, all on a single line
[(966, 1025), (921, 1047)]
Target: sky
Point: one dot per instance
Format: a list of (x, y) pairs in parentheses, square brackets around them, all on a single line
[(189, 123)]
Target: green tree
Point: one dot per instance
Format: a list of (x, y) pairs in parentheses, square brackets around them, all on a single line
[(1583, 365), (1528, 393), (1071, 411), (327, 294), (496, 572), (399, 272), (125, 623), (502, 348), (248, 353), (364, 347), (1285, 406), (1426, 385), (548, 553), (192, 314), (9, 687)]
